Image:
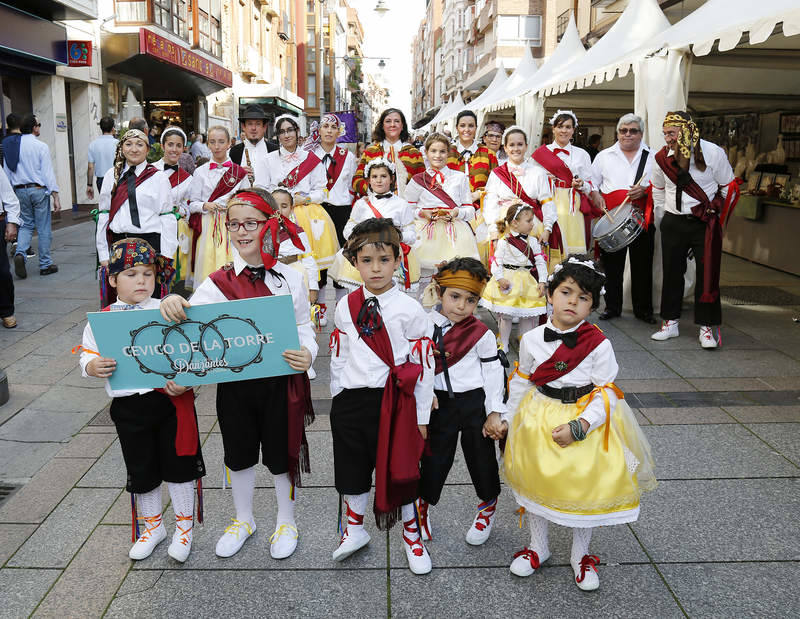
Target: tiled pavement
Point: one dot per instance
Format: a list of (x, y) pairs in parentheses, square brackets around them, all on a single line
[(718, 537)]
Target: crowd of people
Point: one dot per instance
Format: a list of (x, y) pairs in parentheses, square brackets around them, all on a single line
[(397, 231)]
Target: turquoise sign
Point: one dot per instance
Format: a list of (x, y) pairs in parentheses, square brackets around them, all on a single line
[(219, 342)]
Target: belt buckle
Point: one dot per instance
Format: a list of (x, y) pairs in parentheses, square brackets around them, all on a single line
[(569, 395)]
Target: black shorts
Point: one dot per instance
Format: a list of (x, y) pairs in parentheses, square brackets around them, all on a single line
[(355, 418), (147, 425), (253, 417)]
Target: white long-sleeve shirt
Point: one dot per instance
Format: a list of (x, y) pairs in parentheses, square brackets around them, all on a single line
[(471, 373), (154, 204), (456, 185), (598, 368), (205, 181), (356, 366), (179, 193), (611, 170), (341, 194), (718, 173), (393, 207), (258, 159), (291, 283), (577, 160), (281, 162), (506, 254), (306, 258), (535, 184), (9, 203)]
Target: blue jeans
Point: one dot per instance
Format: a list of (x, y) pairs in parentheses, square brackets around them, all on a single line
[(34, 208)]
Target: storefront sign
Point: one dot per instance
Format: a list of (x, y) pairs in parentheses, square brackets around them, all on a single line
[(79, 53), (61, 123), (220, 342), (162, 48)]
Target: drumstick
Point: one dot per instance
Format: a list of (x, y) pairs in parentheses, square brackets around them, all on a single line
[(625, 201)]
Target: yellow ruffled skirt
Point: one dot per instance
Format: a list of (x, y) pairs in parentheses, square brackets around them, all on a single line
[(581, 485), (573, 233), (182, 257), (440, 241), (213, 247), (321, 232), (345, 274), (523, 299)]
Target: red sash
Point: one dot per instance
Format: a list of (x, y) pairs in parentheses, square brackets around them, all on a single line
[(424, 179), (566, 359), (120, 196), (186, 434), (300, 411), (511, 181), (294, 177), (400, 444), (339, 157), (178, 176), (614, 198), (712, 213), (459, 340), (525, 249)]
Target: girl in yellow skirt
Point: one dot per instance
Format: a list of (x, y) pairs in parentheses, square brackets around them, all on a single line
[(298, 171), (443, 206), (380, 202), (514, 291), (575, 454), (212, 184)]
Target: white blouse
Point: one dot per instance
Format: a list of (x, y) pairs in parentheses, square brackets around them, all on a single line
[(341, 194), (456, 185), (577, 160), (394, 208), (179, 193), (281, 162), (205, 181), (506, 253), (535, 184)]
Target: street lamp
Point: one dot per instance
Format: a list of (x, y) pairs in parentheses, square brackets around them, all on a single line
[(381, 7)]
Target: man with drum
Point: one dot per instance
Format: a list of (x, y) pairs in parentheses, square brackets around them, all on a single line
[(622, 172)]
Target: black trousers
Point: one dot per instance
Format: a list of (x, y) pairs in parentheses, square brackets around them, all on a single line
[(465, 414), (6, 280), (253, 418), (147, 425), (339, 215), (641, 252), (355, 418), (679, 234)]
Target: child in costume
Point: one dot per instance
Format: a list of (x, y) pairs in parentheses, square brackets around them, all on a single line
[(157, 428), (443, 207), (213, 184), (173, 140), (380, 201), (468, 386), (265, 416), (134, 201), (299, 258), (518, 274), (382, 388), (575, 454)]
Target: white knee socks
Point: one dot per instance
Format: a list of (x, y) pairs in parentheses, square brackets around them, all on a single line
[(357, 504), (149, 503), (182, 496), (410, 522), (505, 326), (580, 544), (526, 324), (284, 492), (539, 535), (243, 483)]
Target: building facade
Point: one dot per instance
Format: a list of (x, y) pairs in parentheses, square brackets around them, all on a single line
[(428, 53)]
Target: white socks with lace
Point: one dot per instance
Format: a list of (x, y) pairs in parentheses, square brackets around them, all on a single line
[(182, 496), (540, 543), (284, 492), (357, 504), (505, 325), (149, 504), (580, 544), (243, 484)]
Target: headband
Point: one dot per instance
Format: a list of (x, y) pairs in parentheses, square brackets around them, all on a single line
[(497, 126), (385, 236), (568, 113), (135, 133), (521, 207), (128, 253), (285, 117), (379, 161), (689, 135), (169, 130), (460, 279), (589, 264), (314, 138), (514, 129)]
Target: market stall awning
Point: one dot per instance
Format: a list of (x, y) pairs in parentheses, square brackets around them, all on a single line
[(427, 126), (522, 75), (455, 106), (500, 78)]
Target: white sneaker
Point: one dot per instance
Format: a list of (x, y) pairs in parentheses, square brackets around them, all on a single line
[(353, 540), (284, 541), (419, 561), (526, 562), (669, 329), (181, 544), (423, 509), (323, 316), (234, 537), (586, 573), (481, 527), (707, 338), (153, 535)]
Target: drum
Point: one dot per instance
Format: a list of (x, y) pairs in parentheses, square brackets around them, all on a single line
[(620, 230)]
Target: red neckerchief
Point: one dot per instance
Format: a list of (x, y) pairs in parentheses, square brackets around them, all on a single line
[(424, 179), (526, 250), (400, 444), (512, 182), (178, 176), (339, 157), (712, 213), (566, 359), (297, 174), (459, 340), (186, 434), (300, 411)]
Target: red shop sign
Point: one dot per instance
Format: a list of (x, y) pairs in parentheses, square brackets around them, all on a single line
[(167, 51), (79, 53)]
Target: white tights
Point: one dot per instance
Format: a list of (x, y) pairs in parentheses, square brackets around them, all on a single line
[(505, 324), (540, 544), (243, 484)]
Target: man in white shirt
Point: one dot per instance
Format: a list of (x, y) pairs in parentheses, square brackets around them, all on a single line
[(10, 221), (621, 173), (251, 153), (102, 151)]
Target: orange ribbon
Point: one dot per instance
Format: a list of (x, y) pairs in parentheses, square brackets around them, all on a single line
[(79, 348), (601, 389)]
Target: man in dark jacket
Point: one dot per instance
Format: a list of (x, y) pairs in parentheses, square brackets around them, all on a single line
[(253, 122)]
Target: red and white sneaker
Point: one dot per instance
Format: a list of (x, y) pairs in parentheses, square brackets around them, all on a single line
[(323, 318), (586, 573), (419, 561), (155, 532), (423, 510), (354, 538), (526, 562), (669, 329), (181, 544), (481, 527), (707, 338)]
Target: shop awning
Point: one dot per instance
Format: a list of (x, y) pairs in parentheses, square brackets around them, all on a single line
[(273, 95), (30, 42), (500, 78), (523, 74)]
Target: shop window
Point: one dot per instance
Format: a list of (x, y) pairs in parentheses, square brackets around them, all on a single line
[(520, 29), (130, 11)]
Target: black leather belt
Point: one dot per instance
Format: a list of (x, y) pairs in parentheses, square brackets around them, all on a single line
[(29, 186), (567, 395), (512, 267)]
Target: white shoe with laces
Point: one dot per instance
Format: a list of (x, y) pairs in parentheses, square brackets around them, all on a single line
[(586, 573), (669, 329), (419, 561), (284, 541), (234, 538), (181, 544), (154, 533), (707, 338), (354, 539), (481, 527), (526, 562)]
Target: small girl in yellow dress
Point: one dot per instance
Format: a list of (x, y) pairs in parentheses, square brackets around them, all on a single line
[(575, 453), (514, 291)]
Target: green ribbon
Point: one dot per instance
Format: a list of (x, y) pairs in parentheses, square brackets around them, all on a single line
[(95, 213), (175, 211)]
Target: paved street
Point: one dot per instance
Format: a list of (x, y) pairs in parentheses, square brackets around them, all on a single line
[(719, 537)]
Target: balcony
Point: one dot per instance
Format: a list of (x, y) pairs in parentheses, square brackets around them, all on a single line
[(249, 61), (487, 15)]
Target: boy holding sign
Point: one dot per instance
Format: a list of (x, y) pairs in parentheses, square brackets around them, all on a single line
[(157, 428), (266, 415)]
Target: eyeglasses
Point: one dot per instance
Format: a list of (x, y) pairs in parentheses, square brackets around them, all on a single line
[(494, 136), (250, 225), (631, 131), (287, 131)]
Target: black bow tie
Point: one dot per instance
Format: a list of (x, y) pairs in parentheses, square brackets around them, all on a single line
[(255, 273), (328, 160), (570, 339), (466, 154), (381, 196), (524, 237), (369, 318), (170, 167)]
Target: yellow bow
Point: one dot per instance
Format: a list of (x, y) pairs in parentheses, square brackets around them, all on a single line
[(601, 389)]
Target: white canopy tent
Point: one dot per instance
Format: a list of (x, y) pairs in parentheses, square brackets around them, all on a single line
[(448, 117), (436, 118), (500, 78), (522, 75)]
